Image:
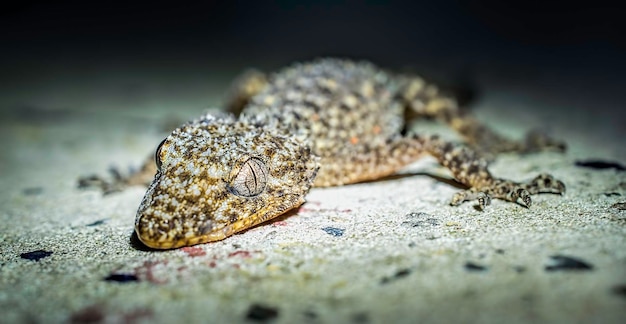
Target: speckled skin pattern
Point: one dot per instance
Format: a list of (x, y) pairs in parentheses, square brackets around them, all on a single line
[(324, 123)]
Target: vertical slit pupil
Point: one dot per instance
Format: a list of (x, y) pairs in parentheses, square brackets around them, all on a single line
[(251, 178)]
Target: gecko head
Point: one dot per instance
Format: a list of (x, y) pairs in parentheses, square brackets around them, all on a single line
[(218, 176)]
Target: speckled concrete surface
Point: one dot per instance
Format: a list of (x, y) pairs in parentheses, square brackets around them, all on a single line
[(384, 251)]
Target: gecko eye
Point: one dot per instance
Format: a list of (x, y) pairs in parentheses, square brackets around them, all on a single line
[(157, 155), (250, 180)]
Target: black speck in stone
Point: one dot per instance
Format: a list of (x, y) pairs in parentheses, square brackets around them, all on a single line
[(565, 263), (519, 269), (258, 312), (96, 223), (309, 314), (33, 191), (122, 277), (399, 274), (334, 231), (471, 266), (619, 290), (36, 255), (361, 317), (612, 194), (600, 164), (500, 251)]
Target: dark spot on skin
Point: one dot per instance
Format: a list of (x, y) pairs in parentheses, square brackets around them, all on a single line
[(471, 266), (220, 195), (233, 218), (96, 223), (170, 208), (206, 228), (565, 263), (33, 191), (547, 182), (334, 231), (36, 255), (121, 277), (600, 165), (257, 312), (399, 274), (473, 168)]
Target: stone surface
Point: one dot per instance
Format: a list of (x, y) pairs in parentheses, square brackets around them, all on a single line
[(402, 254)]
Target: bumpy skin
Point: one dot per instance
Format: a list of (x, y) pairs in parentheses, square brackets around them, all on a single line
[(325, 123)]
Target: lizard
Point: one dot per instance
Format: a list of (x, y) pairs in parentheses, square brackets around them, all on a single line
[(327, 122)]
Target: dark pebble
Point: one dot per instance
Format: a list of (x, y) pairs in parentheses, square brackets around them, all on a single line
[(565, 263), (121, 277), (310, 314), (399, 274), (34, 191), (600, 164), (258, 312), (471, 266), (96, 223), (519, 269), (619, 290), (36, 255), (360, 318), (334, 231)]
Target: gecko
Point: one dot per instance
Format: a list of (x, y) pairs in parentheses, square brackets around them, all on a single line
[(326, 122)]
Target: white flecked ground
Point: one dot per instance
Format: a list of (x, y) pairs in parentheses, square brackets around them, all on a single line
[(384, 251)]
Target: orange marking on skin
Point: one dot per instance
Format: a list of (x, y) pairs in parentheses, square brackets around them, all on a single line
[(377, 129), (354, 140)]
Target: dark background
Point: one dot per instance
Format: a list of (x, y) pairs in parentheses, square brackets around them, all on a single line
[(572, 51)]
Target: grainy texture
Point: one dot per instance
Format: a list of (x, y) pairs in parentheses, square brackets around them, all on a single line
[(325, 123), (293, 264)]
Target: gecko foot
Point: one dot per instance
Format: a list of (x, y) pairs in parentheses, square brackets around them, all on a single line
[(118, 181), (510, 191), (471, 194), (545, 183)]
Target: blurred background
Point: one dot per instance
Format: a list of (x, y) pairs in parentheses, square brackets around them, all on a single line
[(82, 55)]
